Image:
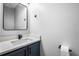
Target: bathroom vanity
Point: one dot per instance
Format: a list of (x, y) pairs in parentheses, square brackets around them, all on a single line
[(15, 18), (29, 48)]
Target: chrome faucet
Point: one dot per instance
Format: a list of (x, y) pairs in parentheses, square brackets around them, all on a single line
[(19, 36)]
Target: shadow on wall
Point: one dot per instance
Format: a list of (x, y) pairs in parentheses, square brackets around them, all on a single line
[(42, 50), (73, 54), (42, 53)]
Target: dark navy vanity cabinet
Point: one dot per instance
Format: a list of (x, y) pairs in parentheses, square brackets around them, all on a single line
[(34, 49), (30, 50), (18, 52)]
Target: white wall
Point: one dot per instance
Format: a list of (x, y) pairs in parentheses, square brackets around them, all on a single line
[(6, 34), (57, 24)]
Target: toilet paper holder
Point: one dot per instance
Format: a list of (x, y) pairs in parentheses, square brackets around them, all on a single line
[(60, 48)]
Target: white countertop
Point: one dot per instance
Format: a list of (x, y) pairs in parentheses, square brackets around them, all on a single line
[(7, 46)]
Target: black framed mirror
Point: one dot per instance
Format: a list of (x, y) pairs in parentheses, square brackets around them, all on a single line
[(15, 16)]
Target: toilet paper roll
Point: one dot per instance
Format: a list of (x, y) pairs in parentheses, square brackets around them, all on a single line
[(64, 51)]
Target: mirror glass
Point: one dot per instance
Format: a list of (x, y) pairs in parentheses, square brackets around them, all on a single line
[(15, 16)]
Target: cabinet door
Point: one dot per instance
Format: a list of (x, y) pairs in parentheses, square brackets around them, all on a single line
[(18, 52), (34, 49)]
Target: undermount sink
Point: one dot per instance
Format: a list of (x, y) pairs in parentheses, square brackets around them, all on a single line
[(20, 41)]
